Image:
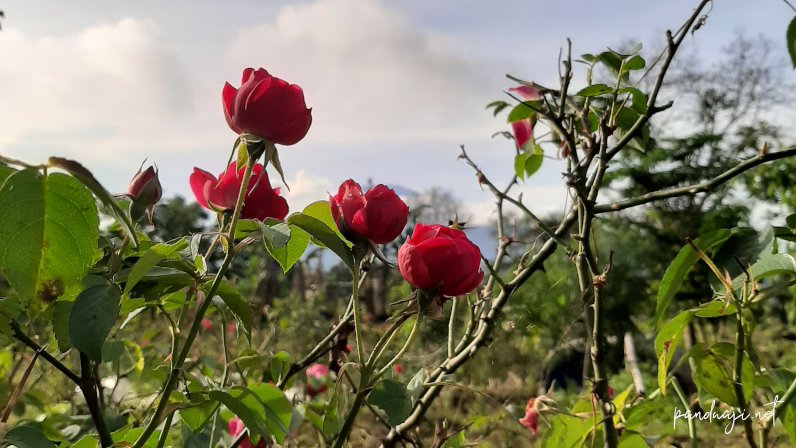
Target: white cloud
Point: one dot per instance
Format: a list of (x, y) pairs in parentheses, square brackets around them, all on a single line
[(305, 189), (368, 74), (109, 93)]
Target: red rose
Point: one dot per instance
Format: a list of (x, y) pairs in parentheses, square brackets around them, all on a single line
[(436, 256), (378, 215), (268, 107), (220, 194)]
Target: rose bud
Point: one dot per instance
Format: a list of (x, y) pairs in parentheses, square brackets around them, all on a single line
[(436, 257), (527, 93), (317, 378), (236, 427), (523, 133), (220, 194), (378, 216), (398, 369), (267, 107), (144, 191)]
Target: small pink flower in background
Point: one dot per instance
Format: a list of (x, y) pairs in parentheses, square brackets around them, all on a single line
[(523, 132), (236, 427), (317, 379), (206, 324), (527, 93), (398, 369), (232, 327), (531, 418), (267, 107)]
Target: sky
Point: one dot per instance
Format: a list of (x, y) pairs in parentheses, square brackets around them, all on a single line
[(395, 87)]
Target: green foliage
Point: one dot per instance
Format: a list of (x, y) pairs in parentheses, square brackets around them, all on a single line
[(393, 398), (92, 317), (317, 222), (681, 266), (48, 235), (27, 437)]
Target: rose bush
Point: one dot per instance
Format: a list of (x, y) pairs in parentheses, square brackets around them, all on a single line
[(219, 194), (439, 258), (378, 215), (267, 107)]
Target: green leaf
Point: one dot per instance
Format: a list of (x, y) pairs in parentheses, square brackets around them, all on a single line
[(631, 439), (392, 397), (635, 63), (331, 421), (263, 408), (594, 90), (567, 432), (27, 437), (533, 163), (519, 164), (498, 106), (321, 211), (790, 221), (5, 171), (277, 234), (415, 386), (84, 175), (237, 305), (48, 234), (713, 369), (770, 265), (715, 308), (291, 252), (62, 312), (86, 442), (639, 103), (246, 406), (677, 271), (523, 111), (611, 60), (666, 343), (325, 235), (197, 417), (93, 315), (278, 411), (150, 259), (791, 38)]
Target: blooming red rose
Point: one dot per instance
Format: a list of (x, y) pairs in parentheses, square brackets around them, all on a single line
[(378, 215), (236, 427), (268, 107), (317, 378), (436, 256), (220, 194), (531, 418)]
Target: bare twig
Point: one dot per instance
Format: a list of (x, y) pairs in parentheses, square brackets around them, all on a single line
[(698, 188)]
